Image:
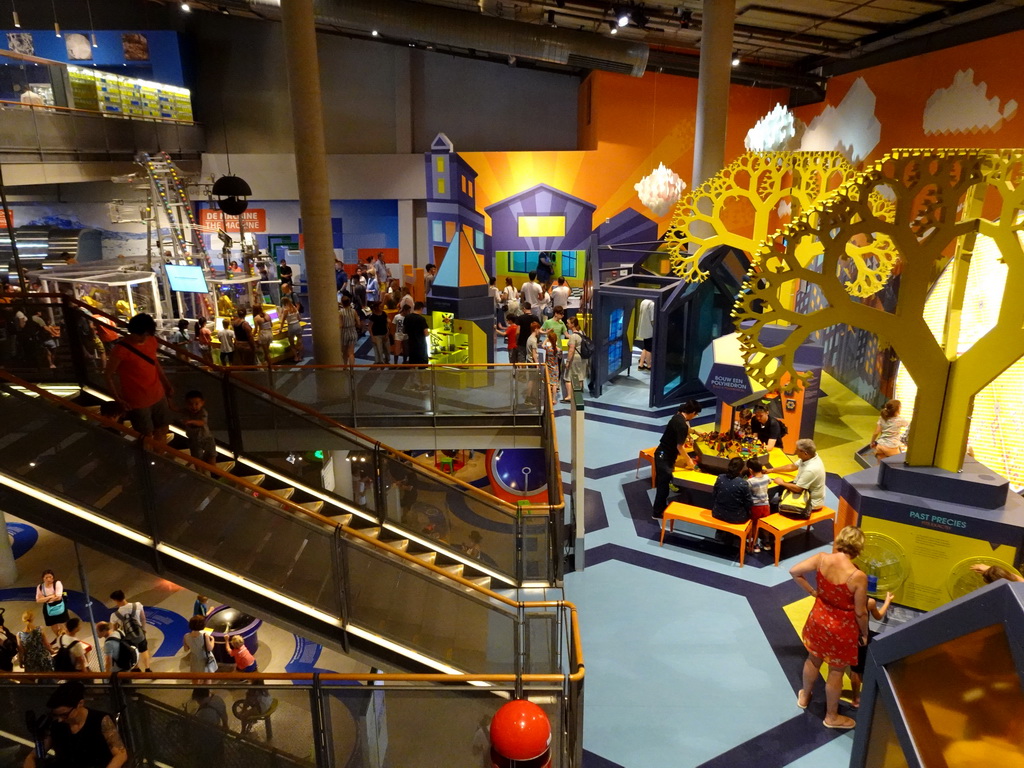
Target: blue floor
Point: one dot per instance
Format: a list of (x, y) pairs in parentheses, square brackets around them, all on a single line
[(690, 659)]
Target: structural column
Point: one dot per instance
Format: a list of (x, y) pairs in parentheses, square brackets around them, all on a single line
[(311, 168), (713, 89)]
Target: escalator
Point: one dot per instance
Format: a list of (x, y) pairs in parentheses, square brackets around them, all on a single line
[(82, 477)]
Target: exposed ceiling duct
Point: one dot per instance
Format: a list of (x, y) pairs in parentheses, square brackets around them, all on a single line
[(438, 25)]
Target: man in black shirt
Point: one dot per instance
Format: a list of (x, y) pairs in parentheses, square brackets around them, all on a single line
[(668, 450), (80, 737), (285, 273), (524, 321), (415, 328), (765, 428)]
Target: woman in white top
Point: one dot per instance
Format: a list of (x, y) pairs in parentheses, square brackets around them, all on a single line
[(292, 325), (888, 437), (645, 333), (50, 591)]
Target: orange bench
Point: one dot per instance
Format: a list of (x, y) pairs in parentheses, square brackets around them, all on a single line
[(647, 454), (779, 525), (700, 516)]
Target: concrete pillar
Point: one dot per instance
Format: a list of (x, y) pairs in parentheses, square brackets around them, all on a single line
[(311, 168), (713, 89), (8, 570)]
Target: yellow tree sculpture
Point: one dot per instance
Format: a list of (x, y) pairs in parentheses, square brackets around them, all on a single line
[(739, 207), (942, 199)]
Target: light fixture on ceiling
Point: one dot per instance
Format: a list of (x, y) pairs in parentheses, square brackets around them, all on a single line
[(56, 25), (14, 12), (736, 58), (185, 7), (374, 33), (621, 16), (614, 27), (92, 27)]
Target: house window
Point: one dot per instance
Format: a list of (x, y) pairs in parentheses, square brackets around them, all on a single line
[(440, 185), (436, 232), (567, 263), (469, 185), (478, 240), (449, 231), (439, 163), (541, 226), (462, 180), (516, 260)]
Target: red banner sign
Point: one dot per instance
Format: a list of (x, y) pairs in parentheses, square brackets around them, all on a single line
[(255, 220), (3, 218)]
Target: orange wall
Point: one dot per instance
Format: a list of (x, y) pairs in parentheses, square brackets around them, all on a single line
[(902, 89), (635, 123)]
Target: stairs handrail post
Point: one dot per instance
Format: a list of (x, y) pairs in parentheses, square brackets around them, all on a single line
[(321, 731), (379, 496)]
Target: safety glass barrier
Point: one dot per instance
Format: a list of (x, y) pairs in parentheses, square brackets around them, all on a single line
[(538, 545), (477, 390), (428, 506), (54, 451), (327, 391), (390, 392), (431, 614), (39, 340), (256, 538), (331, 722)]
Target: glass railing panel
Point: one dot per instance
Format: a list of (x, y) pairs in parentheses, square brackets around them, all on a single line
[(435, 617), (19, 701), (398, 392), (457, 734), (325, 390), (537, 552), (431, 506), (57, 452), (178, 724), (226, 526), (543, 641), (474, 390)]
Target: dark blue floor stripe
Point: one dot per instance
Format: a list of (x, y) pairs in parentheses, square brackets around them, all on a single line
[(778, 746), (590, 760)]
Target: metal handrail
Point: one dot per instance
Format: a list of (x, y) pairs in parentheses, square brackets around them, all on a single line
[(292, 507), (93, 112)]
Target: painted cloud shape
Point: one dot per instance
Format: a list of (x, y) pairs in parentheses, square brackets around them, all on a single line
[(964, 107), (850, 128), (776, 131)]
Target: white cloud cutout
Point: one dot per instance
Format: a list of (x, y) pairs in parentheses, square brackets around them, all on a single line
[(785, 208), (850, 128), (964, 107), (775, 132)]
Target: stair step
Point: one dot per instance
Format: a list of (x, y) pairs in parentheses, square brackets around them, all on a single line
[(427, 557), (373, 533), (253, 479), (400, 544), (225, 466), (312, 506), (481, 581), (454, 570), (345, 519)]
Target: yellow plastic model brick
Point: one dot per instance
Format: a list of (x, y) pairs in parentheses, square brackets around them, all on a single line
[(941, 199)]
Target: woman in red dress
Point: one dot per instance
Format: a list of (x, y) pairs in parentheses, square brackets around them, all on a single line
[(838, 621)]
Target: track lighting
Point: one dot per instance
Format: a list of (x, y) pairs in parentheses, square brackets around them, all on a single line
[(614, 27), (621, 15), (736, 59), (185, 7)]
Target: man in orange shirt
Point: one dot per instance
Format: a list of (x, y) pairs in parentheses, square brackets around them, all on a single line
[(136, 379)]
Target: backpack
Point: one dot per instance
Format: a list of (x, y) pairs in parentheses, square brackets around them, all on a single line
[(131, 628), (127, 657), (63, 661), (586, 349), (9, 645)]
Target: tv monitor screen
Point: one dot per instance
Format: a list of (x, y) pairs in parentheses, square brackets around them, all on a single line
[(186, 278)]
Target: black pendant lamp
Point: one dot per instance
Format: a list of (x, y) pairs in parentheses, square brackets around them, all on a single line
[(232, 193)]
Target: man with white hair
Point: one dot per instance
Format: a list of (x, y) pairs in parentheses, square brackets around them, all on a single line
[(810, 476)]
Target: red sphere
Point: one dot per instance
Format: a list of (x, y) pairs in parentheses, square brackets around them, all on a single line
[(520, 730)]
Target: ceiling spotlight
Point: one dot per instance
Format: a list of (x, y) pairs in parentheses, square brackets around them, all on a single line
[(186, 7), (614, 27), (736, 59), (375, 33), (621, 16)]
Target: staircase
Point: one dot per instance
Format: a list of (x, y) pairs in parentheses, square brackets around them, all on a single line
[(65, 469)]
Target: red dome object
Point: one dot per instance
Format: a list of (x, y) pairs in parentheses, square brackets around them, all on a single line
[(520, 730)]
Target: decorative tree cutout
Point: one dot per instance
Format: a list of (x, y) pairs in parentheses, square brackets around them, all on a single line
[(740, 206), (942, 199)]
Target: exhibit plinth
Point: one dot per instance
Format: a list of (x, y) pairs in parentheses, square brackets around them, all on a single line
[(940, 519)]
